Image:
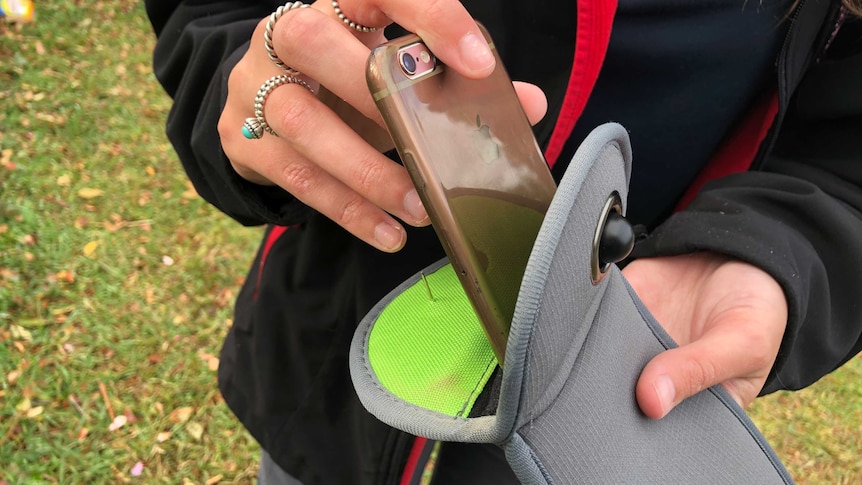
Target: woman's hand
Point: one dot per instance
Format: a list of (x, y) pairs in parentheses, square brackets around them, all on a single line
[(328, 152), (727, 316)]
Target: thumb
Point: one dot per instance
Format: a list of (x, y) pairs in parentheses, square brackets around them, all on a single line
[(676, 374)]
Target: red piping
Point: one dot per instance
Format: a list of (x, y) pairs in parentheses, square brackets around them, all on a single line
[(738, 150), (271, 238), (595, 19), (413, 460)]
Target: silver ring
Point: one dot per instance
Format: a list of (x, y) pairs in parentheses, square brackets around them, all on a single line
[(253, 128), (353, 25), (267, 35)]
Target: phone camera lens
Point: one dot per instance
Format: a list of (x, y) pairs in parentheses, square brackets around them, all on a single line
[(408, 63)]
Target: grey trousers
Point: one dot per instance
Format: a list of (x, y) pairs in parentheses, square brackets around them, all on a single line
[(270, 473)]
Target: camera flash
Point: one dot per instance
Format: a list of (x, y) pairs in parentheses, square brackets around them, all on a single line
[(424, 56)]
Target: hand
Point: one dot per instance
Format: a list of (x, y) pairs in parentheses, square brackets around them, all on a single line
[(328, 152), (727, 316)]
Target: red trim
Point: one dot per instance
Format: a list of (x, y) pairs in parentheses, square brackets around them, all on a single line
[(595, 19), (738, 150), (271, 238), (413, 460)]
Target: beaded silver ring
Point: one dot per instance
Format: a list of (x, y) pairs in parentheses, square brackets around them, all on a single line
[(267, 35), (253, 128), (353, 25)]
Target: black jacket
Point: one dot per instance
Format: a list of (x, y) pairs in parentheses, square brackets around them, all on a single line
[(798, 214)]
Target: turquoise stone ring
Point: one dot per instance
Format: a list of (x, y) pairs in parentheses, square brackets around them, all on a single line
[(252, 128)]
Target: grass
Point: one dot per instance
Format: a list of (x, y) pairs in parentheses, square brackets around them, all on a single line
[(117, 281)]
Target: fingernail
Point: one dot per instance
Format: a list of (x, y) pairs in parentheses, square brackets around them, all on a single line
[(413, 206), (388, 235), (475, 52), (666, 393)]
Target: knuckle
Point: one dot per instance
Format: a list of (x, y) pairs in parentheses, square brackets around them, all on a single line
[(435, 9), (293, 115), (701, 374), (298, 179), (367, 174), (350, 210), (295, 28)]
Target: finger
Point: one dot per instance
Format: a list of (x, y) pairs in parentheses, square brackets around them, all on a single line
[(720, 355), (322, 49), (533, 100), (321, 136), (445, 25), (273, 160)]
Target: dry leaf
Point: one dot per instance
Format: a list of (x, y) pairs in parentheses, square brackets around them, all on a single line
[(186, 481), (81, 222), (33, 412), (90, 248), (40, 49), (211, 360), (12, 376), (64, 180), (150, 171), (167, 260), (20, 333), (82, 434), (65, 275), (24, 405), (163, 436), (137, 469), (118, 423), (214, 480), (90, 193), (195, 430), (181, 415)]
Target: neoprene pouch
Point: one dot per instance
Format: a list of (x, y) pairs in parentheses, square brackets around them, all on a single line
[(566, 409)]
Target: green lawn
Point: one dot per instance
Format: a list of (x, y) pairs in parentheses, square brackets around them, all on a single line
[(117, 281)]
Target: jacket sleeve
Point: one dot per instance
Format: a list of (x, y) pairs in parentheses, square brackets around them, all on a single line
[(799, 219), (198, 44)]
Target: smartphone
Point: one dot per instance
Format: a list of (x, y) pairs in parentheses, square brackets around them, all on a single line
[(471, 153)]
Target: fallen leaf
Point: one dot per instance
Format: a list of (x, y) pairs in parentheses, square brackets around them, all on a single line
[(118, 423), (64, 180), (65, 275), (35, 411), (81, 222), (214, 480), (12, 376), (195, 430), (163, 436), (167, 260), (90, 193), (90, 248), (137, 469), (211, 360), (20, 333), (181, 415), (186, 481), (82, 434), (150, 171), (40, 49), (23, 406)]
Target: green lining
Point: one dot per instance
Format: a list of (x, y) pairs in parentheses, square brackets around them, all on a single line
[(432, 353)]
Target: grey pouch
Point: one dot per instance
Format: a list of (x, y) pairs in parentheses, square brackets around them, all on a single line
[(579, 338)]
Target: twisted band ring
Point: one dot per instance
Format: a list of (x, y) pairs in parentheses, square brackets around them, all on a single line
[(267, 35), (253, 128), (353, 25)]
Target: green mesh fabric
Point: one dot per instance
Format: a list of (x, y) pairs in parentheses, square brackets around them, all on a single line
[(432, 351)]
